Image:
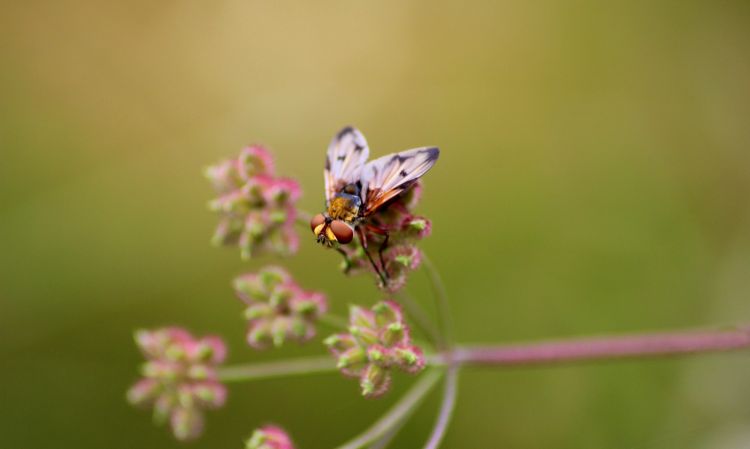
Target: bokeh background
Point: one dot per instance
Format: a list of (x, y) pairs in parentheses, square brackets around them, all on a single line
[(594, 178)]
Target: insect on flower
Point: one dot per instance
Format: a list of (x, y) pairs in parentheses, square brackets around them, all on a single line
[(356, 190)]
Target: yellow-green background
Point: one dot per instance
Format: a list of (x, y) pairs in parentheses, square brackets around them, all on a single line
[(594, 178)]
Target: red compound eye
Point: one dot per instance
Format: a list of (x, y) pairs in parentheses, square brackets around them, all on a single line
[(343, 232), (317, 221)]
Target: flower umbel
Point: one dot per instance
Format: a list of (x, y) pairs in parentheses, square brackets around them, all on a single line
[(179, 378), (257, 208), (401, 254), (269, 437), (277, 308), (378, 341)]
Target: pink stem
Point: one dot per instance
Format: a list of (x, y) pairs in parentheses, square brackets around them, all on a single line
[(644, 345), (446, 409)]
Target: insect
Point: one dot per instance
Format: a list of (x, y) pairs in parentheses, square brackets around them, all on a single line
[(357, 189)]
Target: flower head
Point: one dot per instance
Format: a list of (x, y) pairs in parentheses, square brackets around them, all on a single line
[(401, 255), (257, 209), (269, 437), (179, 378), (378, 341), (277, 308)]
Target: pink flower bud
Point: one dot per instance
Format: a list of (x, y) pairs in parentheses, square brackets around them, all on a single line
[(387, 312), (409, 358), (399, 261), (269, 437), (163, 406), (375, 381), (255, 160), (212, 349), (187, 423), (417, 227), (143, 392), (361, 317), (210, 394)]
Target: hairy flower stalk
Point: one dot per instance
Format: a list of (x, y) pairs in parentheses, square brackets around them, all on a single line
[(378, 341), (278, 309), (179, 378), (257, 209)]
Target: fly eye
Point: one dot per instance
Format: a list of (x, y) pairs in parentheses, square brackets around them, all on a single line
[(317, 221), (343, 232)]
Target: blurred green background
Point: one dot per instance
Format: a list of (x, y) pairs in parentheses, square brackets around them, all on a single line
[(594, 178)]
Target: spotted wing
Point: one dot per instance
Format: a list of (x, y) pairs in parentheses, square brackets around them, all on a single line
[(347, 154), (385, 178)]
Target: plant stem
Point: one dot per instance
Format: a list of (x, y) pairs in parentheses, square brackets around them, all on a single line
[(334, 321), (284, 368), (627, 346), (420, 317), (400, 411), (445, 342), (388, 437), (442, 305), (446, 408)]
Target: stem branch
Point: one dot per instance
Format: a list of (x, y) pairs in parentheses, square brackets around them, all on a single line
[(443, 307), (420, 318), (334, 321), (284, 368), (446, 409)]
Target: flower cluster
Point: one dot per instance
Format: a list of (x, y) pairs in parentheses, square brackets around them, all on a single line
[(269, 437), (378, 340), (277, 308), (258, 211), (401, 254), (257, 208), (179, 378)]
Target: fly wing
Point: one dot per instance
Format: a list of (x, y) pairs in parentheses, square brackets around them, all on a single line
[(388, 176), (347, 154)]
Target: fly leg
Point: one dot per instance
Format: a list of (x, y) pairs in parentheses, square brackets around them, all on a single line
[(383, 246), (363, 240)]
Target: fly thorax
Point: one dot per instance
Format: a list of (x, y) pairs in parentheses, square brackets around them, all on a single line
[(344, 207)]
